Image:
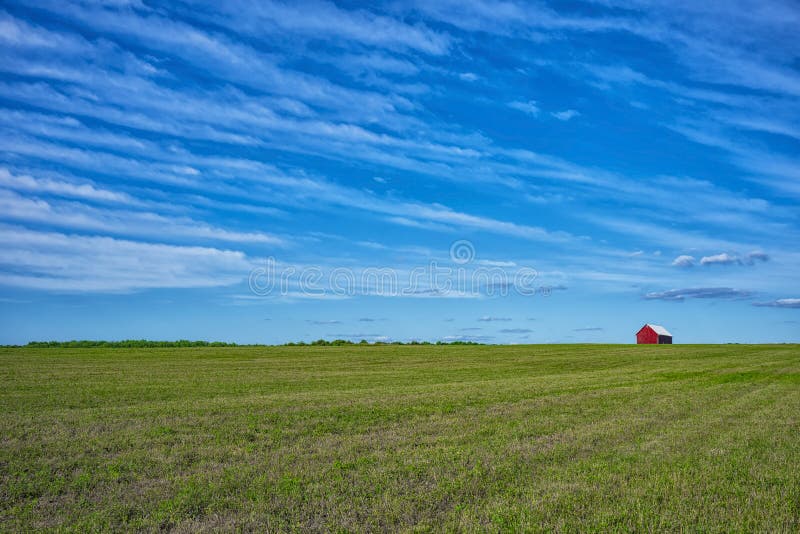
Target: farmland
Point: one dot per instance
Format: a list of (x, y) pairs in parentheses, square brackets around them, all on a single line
[(356, 438)]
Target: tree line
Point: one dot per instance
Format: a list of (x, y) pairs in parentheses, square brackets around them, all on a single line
[(146, 343)]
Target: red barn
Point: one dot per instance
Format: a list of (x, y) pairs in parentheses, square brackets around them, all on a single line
[(652, 334)]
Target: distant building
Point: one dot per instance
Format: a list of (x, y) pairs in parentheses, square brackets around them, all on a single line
[(653, 334)]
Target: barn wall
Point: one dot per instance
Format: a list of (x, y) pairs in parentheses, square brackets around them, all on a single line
[(647, 336), (665, 340)]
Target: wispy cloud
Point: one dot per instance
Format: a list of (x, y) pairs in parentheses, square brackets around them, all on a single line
[(530, 107), (566, 114), (683, 261), (779, 303), (489, 319), (73, 263), (719, 259), (324, 19), (121, 222), (772, 168), (85, 190), (214, 52), (727, 259), (698, 293), (496, 263)]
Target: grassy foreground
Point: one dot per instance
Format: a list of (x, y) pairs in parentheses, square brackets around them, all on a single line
[(571, 437)]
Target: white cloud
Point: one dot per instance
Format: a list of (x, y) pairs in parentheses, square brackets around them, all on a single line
[(72, 263), (219, 56), (496, 263), (88, 191), (728, 259), (760, 123), (780, 303), (412, 223), (743, 46), (322, 19), (232, 110), (530, 107), (661, 233), (76, 216), (698, 293), (683, 261), (779, 171), (261, 173), (566, 114), (720, 259)]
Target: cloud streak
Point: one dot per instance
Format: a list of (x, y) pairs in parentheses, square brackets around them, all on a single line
[(779, 303), (698, 293), (720, 259), (683, 261), (529, 108), (69, 263)]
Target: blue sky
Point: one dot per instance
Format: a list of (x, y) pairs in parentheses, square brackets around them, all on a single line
[(639, 157)]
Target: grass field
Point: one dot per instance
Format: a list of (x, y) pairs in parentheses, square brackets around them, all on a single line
[(570, 437)]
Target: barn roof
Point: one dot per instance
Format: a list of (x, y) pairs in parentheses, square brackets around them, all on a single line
[(660, 330)]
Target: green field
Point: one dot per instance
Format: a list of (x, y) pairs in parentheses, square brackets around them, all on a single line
[(366, 438)]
